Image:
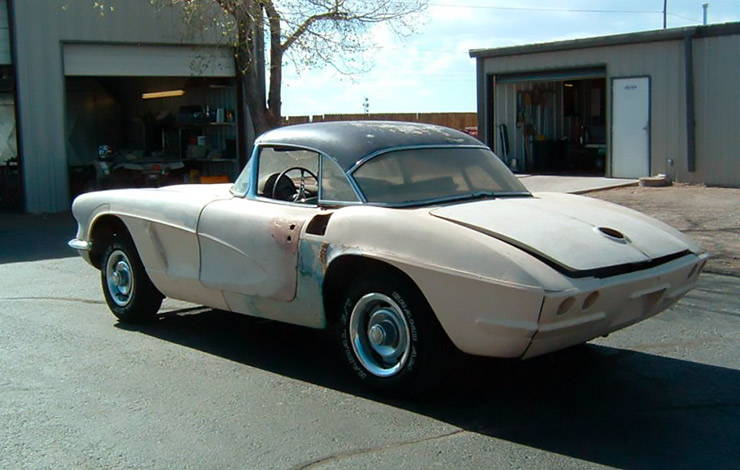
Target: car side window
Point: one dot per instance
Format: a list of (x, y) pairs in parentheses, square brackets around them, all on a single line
[(334, 184), (288, 174), (241, 185)]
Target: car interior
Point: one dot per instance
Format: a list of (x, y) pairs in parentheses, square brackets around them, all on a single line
[(288, 174)]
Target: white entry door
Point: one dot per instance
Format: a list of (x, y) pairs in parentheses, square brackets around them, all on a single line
[(631, 127)]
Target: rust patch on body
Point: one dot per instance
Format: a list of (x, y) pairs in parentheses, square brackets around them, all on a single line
[(324, 254)]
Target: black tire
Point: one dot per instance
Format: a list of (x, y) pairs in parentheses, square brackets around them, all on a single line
[(143, 299), (429, 350)]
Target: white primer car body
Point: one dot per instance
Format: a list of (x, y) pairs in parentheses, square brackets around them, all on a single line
[(504, 273)]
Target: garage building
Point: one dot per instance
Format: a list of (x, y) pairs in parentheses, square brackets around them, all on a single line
[(628, 105), (87, 87)]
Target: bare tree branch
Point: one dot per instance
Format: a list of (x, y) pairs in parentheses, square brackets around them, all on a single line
[(309, 33)]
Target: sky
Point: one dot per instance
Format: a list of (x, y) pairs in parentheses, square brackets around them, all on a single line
[(431, 71)]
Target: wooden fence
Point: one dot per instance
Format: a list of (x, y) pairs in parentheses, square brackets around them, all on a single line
[(454, 120)]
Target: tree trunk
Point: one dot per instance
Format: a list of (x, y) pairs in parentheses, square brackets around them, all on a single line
[(254, 102), (274, 99), (265, 114)]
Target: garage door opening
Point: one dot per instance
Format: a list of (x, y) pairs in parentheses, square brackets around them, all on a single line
[(552, 126), (10, 168), (150, 131)]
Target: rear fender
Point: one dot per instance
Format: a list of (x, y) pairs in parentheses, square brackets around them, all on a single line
[(480, 316)]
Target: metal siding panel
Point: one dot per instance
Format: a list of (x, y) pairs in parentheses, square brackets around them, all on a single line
[(44, 165), (555, 75), (41, 28), (5, 56), (147, 61), (717, 100)]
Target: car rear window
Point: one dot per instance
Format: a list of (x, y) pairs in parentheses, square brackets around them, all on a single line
[(409, 176)]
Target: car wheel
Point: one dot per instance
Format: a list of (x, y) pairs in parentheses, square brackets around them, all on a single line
[(128, 291), (390, 336)]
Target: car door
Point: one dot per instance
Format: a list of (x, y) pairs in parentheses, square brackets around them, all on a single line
[(250, 247)]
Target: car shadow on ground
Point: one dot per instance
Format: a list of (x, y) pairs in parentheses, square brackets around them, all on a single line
[(600, 404)]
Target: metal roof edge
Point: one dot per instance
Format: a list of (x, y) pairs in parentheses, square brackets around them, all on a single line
[(721, 29)]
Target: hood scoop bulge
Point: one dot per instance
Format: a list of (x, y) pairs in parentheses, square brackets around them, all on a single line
[(612, 234)]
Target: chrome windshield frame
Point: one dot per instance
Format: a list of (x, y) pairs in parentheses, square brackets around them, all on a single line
[(253, 168)]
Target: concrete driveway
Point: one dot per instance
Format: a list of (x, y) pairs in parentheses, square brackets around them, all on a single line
[(572, 184), (208, 389)]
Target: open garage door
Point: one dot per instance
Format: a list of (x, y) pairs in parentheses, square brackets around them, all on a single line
[(150, 115), (112, 60), (10, 176), (552, 121)]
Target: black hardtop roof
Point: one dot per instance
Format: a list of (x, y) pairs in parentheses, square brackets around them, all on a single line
[(349, 141)]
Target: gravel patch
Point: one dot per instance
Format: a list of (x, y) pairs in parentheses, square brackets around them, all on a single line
[(711, 216)]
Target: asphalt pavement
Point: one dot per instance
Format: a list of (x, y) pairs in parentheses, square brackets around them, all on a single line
[(209, 389)]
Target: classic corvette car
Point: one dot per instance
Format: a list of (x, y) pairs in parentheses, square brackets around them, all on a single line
[(408, 239)]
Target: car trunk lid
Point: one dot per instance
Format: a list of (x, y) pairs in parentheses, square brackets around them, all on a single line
[(575, 233)]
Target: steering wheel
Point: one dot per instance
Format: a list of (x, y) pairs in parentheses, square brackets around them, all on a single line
[(301, 190)]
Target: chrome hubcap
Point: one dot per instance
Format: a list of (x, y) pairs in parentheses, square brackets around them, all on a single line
[(376, 335), (380, 335), (119, 278)]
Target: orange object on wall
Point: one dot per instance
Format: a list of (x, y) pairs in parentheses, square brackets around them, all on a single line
[(214, 179)]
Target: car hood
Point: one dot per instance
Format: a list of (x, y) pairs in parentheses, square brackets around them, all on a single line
[(574, 232)]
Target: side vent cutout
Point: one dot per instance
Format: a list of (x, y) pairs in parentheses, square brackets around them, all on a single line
[(318, 224)]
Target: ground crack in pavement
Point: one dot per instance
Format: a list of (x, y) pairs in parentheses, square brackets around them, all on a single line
[(352, 453), (58, 299)]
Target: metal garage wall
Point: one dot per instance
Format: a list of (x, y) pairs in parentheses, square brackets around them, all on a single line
[(662, 61), (42, 27), (717, 102), (5, 57), (120, 60)]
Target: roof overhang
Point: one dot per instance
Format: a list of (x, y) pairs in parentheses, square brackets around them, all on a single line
[(672, 34)]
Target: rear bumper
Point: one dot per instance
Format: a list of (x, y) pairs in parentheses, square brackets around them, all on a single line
[(601, 306)]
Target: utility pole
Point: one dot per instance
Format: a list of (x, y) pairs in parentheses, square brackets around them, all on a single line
[(705, 6), (665, 14)]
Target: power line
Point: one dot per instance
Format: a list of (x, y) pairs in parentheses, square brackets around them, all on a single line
[(563, 10), (560, 10), (684, 17)]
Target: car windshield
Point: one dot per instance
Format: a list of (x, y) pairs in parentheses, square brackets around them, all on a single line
[(421, 175)]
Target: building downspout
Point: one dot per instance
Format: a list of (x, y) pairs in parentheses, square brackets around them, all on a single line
[(481, 101), (490, 81), (688, 48)]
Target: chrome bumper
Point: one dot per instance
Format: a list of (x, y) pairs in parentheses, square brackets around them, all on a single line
[(80, 245)]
